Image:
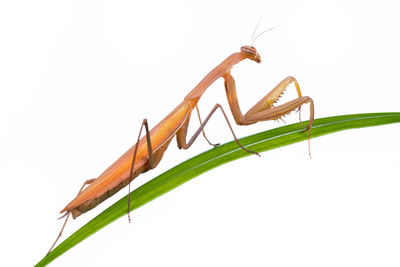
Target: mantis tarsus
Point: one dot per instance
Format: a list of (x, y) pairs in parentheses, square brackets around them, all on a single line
[(149, 150)]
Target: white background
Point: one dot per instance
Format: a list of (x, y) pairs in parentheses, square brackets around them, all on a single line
[(78, 77)]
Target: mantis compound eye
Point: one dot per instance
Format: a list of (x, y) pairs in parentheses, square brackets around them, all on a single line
[(249, 49), (250, 52)]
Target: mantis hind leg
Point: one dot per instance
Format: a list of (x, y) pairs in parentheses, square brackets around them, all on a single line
[(150, 161), (69, 213)]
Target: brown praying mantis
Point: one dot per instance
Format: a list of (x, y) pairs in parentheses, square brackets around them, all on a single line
[(148, 150)]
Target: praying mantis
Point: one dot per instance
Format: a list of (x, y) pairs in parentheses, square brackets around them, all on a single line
[(149, 150)]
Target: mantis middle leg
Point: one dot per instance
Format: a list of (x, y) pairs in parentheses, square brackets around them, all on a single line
[(204, 134), (182, 133)]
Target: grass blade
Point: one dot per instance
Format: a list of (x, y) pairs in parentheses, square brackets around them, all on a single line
[(210, 159)]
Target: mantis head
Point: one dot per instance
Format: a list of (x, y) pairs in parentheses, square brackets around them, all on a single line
[(250, 52)]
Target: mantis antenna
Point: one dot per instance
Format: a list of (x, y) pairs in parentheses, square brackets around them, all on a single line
[(253, 39), (254, 32)]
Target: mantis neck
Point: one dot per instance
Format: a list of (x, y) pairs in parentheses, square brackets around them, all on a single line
[(212, 76)]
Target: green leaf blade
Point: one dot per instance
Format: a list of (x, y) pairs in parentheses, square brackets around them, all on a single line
[(210, 159)]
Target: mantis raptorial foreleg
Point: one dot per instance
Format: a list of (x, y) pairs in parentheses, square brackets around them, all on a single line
[(281, 110), (264, 109), (273, 96)]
